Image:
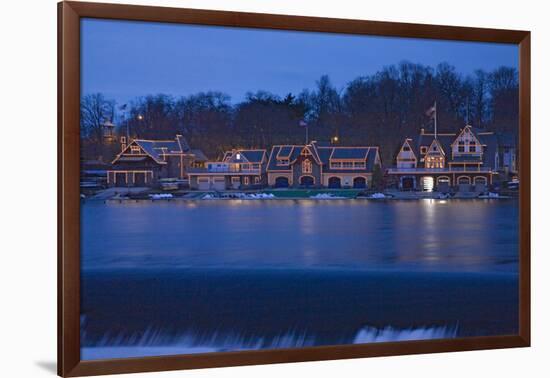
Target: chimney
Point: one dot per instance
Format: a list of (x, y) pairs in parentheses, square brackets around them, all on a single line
[(122, 143)]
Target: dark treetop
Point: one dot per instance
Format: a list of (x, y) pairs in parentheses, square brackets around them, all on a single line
[(352, 87)]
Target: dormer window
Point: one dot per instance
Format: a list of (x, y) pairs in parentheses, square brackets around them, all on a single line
[(282, 162), (135, 149), (472, 146), (460, 146)]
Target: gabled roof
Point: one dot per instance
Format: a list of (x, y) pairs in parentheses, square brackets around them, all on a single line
[(444, 140), (314, 151), (278, 152), (157, 148), (349, 153), (323, 155), (290, 152), (367, 154), (310, 148), (184, 146), (247, 156), (487, 138), (284, 152), (466, 128), (439, 149), (154, 149), (415, 149), (254, 156), (234, 156)]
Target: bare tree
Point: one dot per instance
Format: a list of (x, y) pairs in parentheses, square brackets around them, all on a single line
[(95, 110), (379, 109)]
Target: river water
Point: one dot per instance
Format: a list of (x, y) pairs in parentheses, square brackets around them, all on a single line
[(171, 277)]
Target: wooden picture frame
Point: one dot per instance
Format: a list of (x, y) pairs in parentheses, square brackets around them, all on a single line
[(69, 15)]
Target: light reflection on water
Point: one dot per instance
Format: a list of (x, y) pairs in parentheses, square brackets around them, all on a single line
[(469, 235)]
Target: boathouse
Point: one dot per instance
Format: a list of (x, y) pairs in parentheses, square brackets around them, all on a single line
[(468, 160), (238, 169), (143, 162), (315, 165)]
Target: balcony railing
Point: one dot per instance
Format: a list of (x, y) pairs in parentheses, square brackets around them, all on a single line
[(440, 170), (233, 169)]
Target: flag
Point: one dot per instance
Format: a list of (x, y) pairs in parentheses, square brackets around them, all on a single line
[(303, 123), (431, 111)]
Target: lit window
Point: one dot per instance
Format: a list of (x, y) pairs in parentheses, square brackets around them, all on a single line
[(238, 156), (435, 162), (307, 167), (135, 149)]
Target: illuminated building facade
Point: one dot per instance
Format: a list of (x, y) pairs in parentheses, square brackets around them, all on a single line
[(468, 160), (315, 165), (143, 162), (239, 169)]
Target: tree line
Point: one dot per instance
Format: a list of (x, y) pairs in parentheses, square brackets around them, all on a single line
[(379, 109)]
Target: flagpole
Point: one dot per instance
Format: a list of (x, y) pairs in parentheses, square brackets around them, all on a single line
[(467, 111), (435, 120)]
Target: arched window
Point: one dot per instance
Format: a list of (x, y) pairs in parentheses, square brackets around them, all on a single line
[(307, 167)]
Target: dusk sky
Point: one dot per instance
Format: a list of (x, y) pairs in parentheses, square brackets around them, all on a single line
[(127, 59)]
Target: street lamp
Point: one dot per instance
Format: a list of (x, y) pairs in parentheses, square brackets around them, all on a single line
[(335, 139), (140, 117)]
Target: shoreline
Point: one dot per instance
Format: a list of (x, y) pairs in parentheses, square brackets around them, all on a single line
[(145, 194), (128, 200)]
